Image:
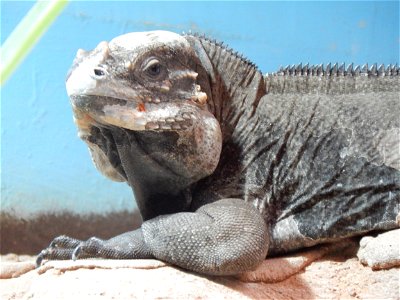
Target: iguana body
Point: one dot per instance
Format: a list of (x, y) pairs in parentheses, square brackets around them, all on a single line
[(226, 164)]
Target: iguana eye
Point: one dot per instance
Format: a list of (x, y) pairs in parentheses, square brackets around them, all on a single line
[(153, 68)]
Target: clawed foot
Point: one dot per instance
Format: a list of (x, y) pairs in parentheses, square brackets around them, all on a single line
[(128, 245), (64, 247)]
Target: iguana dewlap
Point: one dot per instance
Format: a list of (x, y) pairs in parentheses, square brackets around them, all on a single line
[(228, 165)]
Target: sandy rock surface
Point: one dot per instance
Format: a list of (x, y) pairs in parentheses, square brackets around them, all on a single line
[(382, 251), (331, 276)]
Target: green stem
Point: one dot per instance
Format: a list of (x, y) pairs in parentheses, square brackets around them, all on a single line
[(26, 34)]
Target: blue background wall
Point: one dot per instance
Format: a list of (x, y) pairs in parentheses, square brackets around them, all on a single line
[(45, 167)]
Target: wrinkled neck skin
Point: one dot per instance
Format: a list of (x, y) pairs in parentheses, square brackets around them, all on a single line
[(237, 88), (153, 165), (237, 85)]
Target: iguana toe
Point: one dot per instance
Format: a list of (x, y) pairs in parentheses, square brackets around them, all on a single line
[(93, 247), (61, 248), (53, 254)]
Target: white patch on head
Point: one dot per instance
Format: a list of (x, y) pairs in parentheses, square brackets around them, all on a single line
[(81, 80), (136, 40)]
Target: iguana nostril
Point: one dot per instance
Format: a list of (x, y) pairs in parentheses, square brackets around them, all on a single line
[(99, 72)]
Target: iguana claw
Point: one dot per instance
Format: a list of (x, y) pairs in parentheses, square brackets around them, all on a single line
[(40, 258), (60, 248), (75, 254)]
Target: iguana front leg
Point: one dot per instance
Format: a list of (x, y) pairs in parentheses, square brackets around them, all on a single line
[(222, 238)]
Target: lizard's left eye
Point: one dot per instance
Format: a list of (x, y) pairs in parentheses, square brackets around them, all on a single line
[(153, 68)]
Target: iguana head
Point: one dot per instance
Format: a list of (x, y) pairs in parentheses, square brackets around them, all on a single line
[(143, 97)]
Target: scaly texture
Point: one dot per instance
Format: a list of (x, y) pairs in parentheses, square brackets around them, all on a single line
[(227, 164)]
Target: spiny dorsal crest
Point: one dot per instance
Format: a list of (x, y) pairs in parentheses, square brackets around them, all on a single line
[(338, 70), (225, 47)]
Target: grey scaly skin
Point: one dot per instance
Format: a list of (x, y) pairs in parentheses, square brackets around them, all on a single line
[(228, 165)]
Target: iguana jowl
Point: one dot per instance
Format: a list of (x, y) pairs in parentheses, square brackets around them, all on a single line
[(226, 164)]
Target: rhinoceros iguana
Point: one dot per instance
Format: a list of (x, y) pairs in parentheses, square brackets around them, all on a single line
[(228, 165)]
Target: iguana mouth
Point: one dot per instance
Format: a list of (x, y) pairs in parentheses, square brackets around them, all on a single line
[(131, 115)]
